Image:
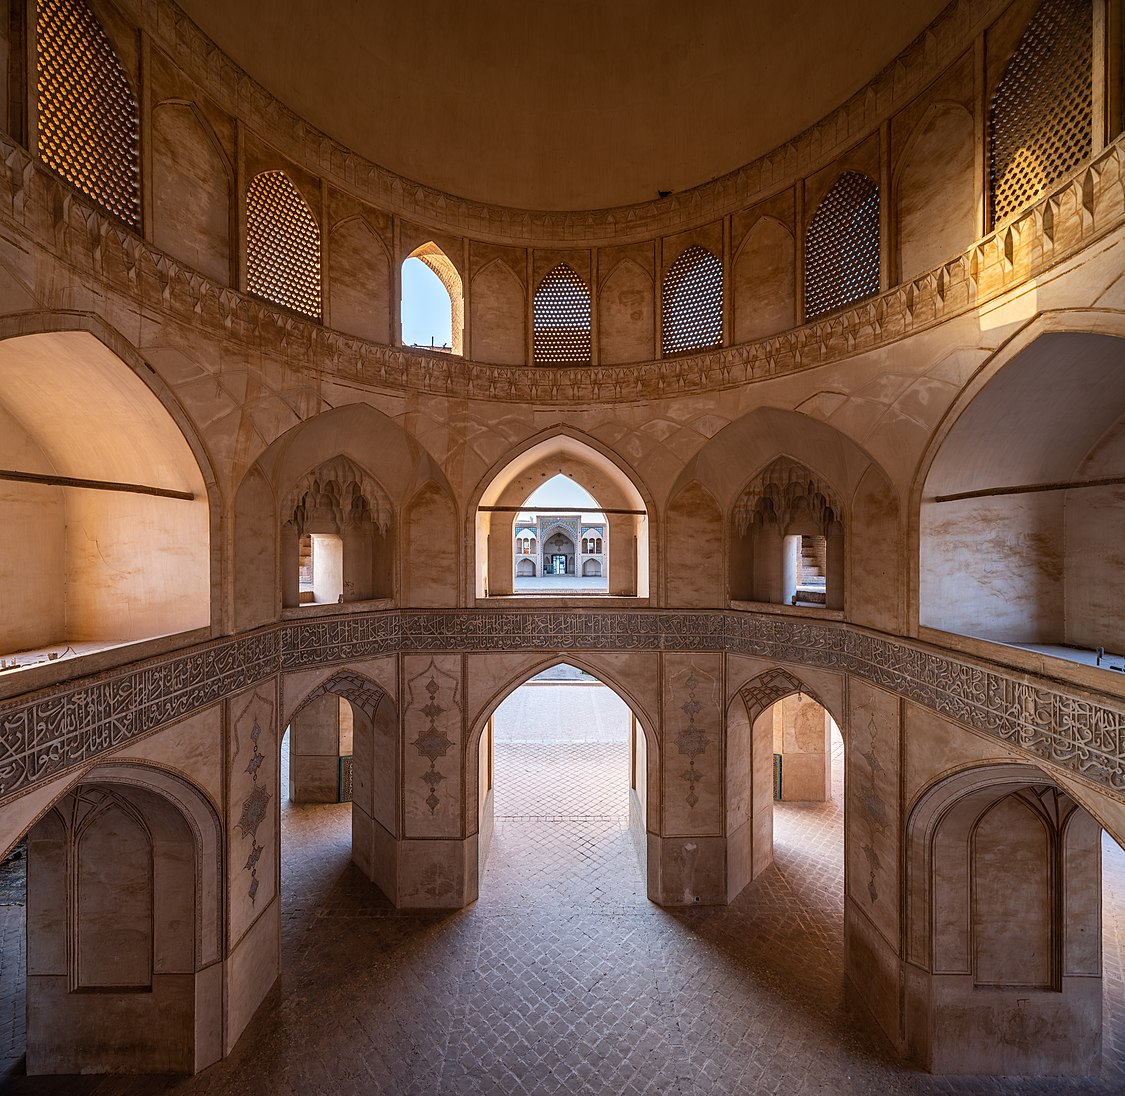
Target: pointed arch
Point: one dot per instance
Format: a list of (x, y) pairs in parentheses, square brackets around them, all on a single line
[(934, 190), (509, 483), (561, 310), (763, 292), (192, 180), (499, 315), (359, 280), (282, 245)]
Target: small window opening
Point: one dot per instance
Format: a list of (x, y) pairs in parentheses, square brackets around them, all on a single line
[(432, 309), (320, 563)]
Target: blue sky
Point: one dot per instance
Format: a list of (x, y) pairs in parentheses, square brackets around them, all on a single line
[(426, 311)]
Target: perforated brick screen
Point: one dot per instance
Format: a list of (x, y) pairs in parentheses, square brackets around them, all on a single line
[(282, 245), (842, 246), (89, 127), (1040, 117), (562, 318), (692, 302)]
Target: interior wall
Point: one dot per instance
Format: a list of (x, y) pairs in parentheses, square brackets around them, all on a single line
[(134, 565), (936, 191), (359, 281), (763, 285), (191, 188), (995, 567), (32, 546), (498, 310)]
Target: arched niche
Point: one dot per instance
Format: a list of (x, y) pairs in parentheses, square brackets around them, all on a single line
[(125, 922), (787, 539), (935, 192), (380, 450), (1003, 935), (192, 180), (359, 280), (499, 315), (626, 315), (508, 487), (763, 281), (633, 685), (1019, 540), (874, 555), (107, 518), (342, 518)]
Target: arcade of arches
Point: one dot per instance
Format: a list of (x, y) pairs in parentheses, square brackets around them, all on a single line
[(853, 417)]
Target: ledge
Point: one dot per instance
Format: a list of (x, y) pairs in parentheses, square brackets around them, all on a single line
[(1074, 728)]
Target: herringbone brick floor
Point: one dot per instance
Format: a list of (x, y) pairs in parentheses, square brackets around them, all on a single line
[(563, 978)]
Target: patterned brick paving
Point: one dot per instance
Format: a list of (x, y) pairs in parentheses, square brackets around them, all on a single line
[(563, 978)]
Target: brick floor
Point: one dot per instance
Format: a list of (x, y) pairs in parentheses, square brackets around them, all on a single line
[(563, 978)]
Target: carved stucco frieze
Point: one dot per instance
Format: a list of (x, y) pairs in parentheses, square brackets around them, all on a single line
[(46, 734), (111, 260)]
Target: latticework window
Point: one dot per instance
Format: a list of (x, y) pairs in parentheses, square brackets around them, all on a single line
[(692, 302), (562, 318), (89, 127), (1040, 117), (842, 246), (282, 244)]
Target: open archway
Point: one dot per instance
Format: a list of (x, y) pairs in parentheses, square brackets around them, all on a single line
[(432, 310), (563, 786), (105, 515), (339, 762), (590, 479), (1019, 542)]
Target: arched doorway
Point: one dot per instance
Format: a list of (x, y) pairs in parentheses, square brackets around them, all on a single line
[(562, 803), (338, 768), (785, 787)]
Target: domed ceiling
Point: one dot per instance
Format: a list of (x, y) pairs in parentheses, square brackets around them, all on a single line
[(582, 105)]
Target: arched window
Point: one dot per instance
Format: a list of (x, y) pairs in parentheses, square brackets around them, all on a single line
[(692, 302), (562, 319), (1040, 116), (428, 320), (89, 124), (842, 246), (282, 245)]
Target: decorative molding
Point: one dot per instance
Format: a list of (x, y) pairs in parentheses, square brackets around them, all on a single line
[(61, 729), (40, 207)]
